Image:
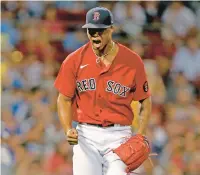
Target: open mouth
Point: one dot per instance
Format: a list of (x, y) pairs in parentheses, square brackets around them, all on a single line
[(96, 43)]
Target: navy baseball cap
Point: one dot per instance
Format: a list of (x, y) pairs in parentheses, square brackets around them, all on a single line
[(98, 17)]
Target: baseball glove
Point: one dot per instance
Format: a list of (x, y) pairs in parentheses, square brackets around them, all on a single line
[(133, 152)]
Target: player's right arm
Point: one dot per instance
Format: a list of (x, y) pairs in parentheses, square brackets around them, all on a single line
[(65, 83), (65, 116)]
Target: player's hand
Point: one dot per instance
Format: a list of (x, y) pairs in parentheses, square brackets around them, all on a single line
[(72, 136)]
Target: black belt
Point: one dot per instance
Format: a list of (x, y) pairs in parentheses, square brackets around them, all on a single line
[(98, 125)]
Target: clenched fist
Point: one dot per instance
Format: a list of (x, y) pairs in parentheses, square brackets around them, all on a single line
[(72, 136)]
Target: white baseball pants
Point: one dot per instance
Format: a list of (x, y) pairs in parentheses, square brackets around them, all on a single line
[(93, 155)]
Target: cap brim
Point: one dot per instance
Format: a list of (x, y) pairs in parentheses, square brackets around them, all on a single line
[(95, 26)]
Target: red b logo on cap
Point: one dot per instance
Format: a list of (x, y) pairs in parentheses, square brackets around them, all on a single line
[(96, 16)]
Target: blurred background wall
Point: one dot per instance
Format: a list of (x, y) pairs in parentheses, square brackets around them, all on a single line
[(37, 36)]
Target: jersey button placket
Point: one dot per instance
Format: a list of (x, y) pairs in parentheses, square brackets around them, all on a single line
[(98, 97)]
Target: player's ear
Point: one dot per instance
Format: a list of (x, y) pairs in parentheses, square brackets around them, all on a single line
[(88, 33), (112, 29)]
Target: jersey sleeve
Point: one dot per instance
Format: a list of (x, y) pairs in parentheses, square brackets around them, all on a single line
[(65, 81), (141, 83)]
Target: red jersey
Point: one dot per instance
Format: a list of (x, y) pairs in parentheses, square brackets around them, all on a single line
[(103, 95)]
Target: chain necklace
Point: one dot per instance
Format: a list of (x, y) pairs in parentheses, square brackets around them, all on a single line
[(103, 56)]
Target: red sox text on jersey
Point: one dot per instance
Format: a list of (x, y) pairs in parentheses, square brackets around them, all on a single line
[(112, 86)]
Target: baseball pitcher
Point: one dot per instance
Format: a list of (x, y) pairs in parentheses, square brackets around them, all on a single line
[(96, 85)]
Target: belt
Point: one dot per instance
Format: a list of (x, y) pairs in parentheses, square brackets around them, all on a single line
[(99, 125)]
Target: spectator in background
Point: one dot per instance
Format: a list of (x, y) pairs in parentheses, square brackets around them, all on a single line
[(13, 75), (5, 43), (53, 26), (155, 82), (46, 45), (131, 17), (58, 162), (33, 41), (177, 83), (8, 28), (152, 11), (33, 72), (31, 165), (168, 45), (187, 58), (7, 160), (10, 6), (163, 43), (50, 68), (179, 18), (36, 8), (19, 105), (29, 32), (184, 107), (9, 124), (133, 11), (12, 153), (74, 39), (22, 13), (138, 47), (53, 134)]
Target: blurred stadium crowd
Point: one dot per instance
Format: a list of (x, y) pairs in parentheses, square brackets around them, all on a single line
[(35, 39)]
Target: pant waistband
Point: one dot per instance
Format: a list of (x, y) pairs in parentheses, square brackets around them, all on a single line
[(100, 125)]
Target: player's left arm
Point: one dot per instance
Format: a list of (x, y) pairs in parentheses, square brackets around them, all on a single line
[(145, 114), (143, 95)]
